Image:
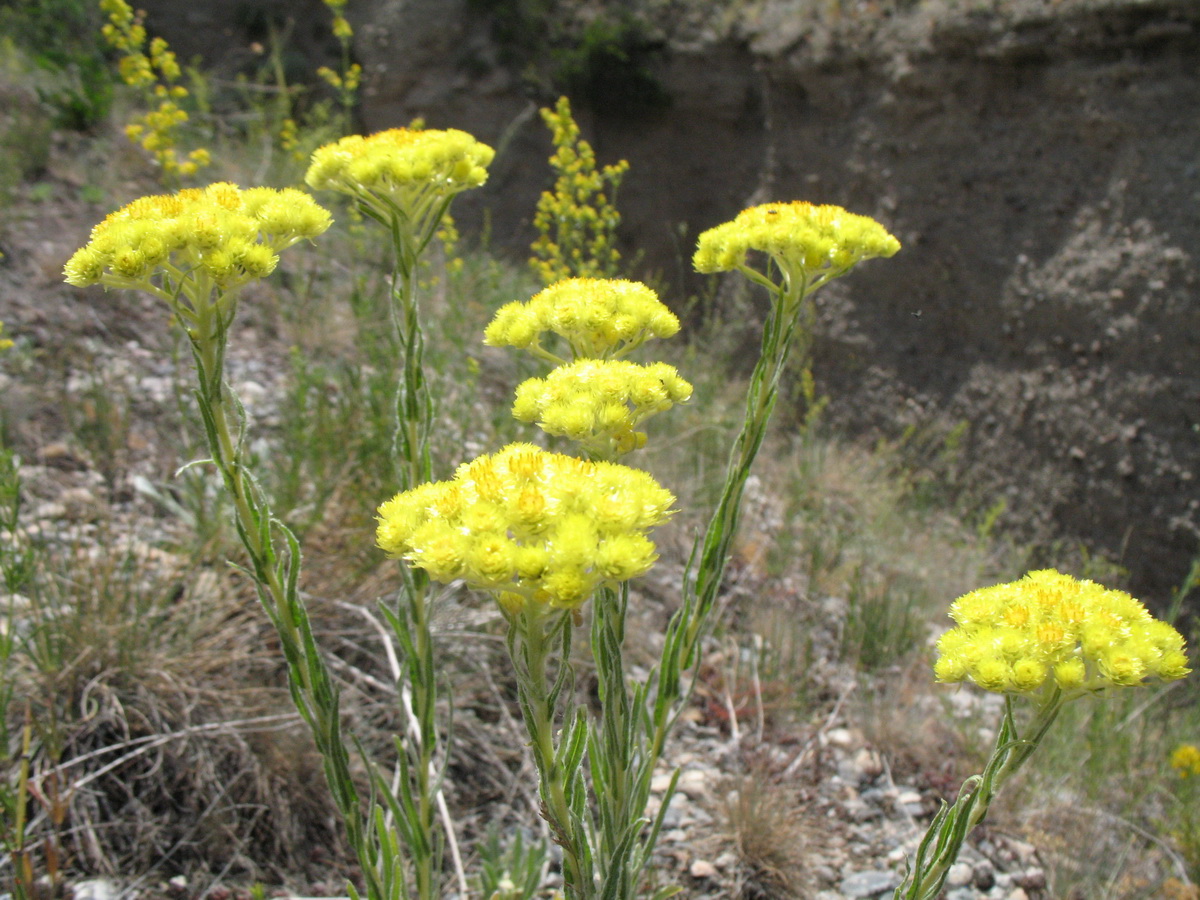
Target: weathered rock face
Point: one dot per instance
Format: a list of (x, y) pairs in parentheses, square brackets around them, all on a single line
[(1040, 162)]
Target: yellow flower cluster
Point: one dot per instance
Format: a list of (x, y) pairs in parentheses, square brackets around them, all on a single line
[(156, 131), (529, 525), (598, 317), (220, 232), (1185, 759), (123, 31), (804, 239), (1049, 628), (401, 169), (5, 343), (341, 28), (577, 221), (346, 84), (599, 402), (348, 81)]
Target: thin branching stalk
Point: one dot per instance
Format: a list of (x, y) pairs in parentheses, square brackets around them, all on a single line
[(787, 333), (544, 683), (413, 808), (274, 555), (410, 621), (943, 840), (627, 742)]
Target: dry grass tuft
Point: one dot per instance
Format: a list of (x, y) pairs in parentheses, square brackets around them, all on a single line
[(166, 741), (768, 831), (1092, 852)]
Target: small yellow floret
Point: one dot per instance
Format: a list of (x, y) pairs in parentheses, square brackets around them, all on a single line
[(992, 674), (1070, 674), (1027, 675), (1012, 637), (950, 669)]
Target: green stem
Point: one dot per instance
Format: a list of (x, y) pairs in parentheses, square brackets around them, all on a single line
[(629, 750), (208, 340), (950, 827), (533, 636), (276, 575), (617, 747), (23, 883), (424, 684), (414, 406), (789, 323), (413, 418)]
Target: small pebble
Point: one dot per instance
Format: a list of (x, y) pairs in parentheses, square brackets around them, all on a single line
[(95, 889), (693, 783), (702, 869), (870, 883), (960, 875), (1032, 879), (983, 876)]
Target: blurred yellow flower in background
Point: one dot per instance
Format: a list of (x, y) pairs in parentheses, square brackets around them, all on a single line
[(1185, 759)]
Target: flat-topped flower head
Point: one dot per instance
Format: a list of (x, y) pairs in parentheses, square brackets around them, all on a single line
[(807, 241), (601, 318), (401, 169), (529, 525), (221, 233), (600, 403), (1051, 629)]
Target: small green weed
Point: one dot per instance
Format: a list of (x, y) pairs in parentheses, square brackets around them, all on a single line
[(611, 66), (68, 64), (885, 620), (511, 869), (25, 124)]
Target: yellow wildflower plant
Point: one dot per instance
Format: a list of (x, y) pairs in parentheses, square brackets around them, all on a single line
[(529, 525), (188, 242), (577, 221), (408, 172), (810, 243), (346, 82), (153, 70), (600, 403), (1046, 639), (1185, 759), (1051, 629), (341, 28), (601, 318)]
